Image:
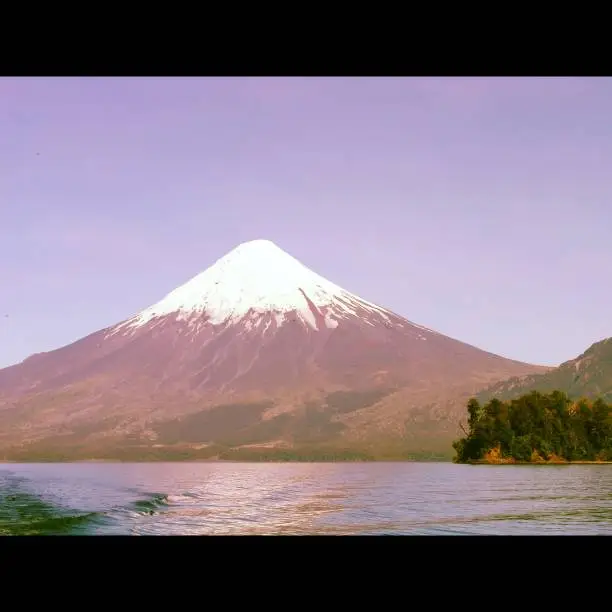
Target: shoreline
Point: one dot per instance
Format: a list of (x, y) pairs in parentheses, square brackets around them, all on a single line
[(39, 461), (317, 460), (484, 462), (216, 459)]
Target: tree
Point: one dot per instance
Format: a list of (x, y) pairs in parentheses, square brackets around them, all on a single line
[(475, 413), (538, 425)]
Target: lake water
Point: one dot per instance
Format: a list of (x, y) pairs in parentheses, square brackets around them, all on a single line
[(306, 498)]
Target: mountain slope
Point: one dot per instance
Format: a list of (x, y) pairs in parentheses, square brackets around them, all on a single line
[(257, 348), (589, 375)]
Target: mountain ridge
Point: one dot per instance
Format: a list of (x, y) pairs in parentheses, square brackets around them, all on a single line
[(587, 375)]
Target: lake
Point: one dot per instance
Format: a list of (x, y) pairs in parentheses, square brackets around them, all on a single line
[(304, 498)]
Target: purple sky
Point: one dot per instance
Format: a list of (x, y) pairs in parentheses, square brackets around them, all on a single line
[(479, 207)]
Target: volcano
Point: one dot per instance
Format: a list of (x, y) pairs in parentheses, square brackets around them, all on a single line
[(257, 338)]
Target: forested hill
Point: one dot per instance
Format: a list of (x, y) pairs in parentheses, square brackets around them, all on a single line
[(589, 375), (536, 428)]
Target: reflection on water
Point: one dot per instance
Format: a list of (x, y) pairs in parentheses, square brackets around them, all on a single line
[(340, 498)]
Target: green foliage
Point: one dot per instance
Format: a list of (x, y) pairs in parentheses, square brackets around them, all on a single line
[(537, 425), (520, 448), (475, 412)]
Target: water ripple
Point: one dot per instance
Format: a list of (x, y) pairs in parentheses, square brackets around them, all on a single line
[(302, 499)]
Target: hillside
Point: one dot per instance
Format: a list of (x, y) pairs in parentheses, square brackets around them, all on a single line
[(588, 375)]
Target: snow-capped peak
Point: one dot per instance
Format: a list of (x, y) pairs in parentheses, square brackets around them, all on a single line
[(258, 277)]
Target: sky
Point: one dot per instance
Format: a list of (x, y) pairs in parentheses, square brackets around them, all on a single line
[(478, 207)]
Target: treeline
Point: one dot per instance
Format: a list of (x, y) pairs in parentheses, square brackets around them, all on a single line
[(290, 455), (536, 427), (305, 453)]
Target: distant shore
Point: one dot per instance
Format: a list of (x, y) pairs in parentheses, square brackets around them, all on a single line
[(216, 454), (558, 462), (272, 459), (314, 460)]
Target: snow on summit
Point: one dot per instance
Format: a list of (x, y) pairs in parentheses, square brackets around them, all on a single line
[(254, 278)]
